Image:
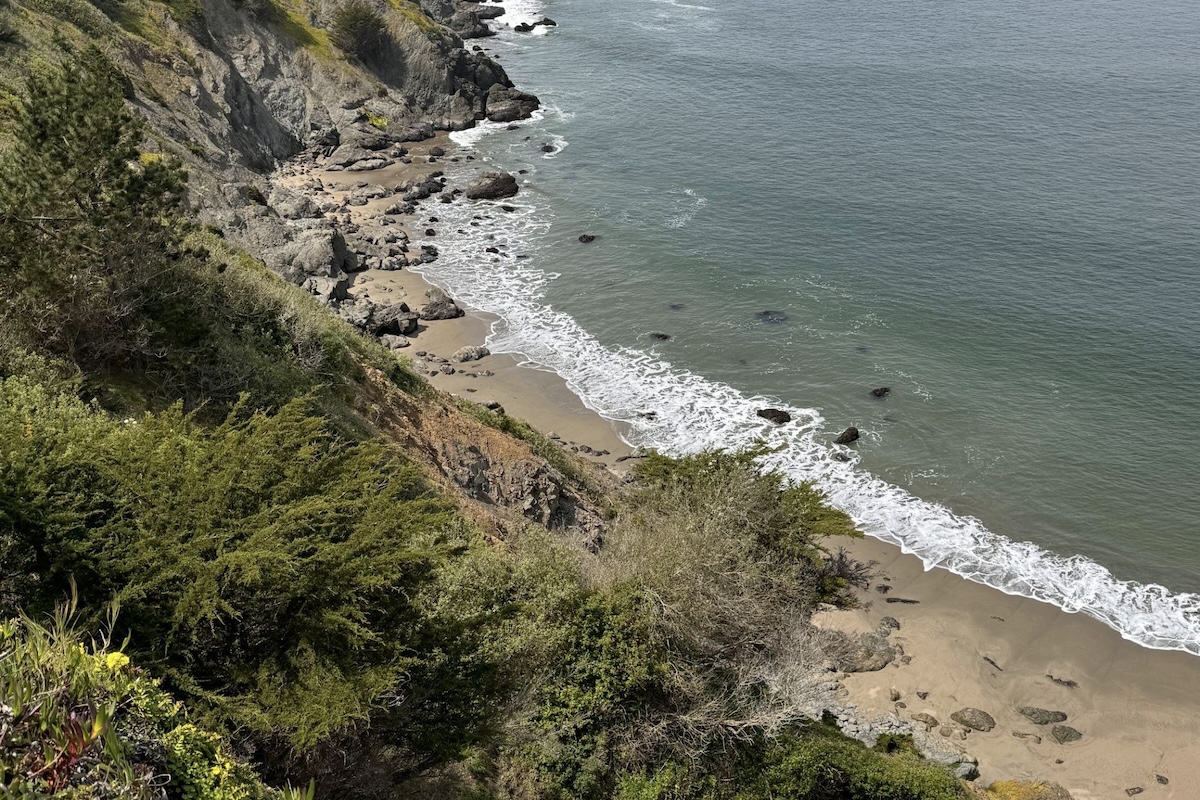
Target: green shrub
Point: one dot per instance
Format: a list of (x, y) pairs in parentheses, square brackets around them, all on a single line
[(823, 765), (269, 571), (80, 720), (359, 29)]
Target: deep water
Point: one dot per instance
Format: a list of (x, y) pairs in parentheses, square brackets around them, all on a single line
[(991, 208)]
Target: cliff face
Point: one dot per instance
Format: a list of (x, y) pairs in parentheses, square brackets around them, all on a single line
[(234, 86)]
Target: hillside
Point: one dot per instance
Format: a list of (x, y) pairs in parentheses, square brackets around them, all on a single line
[(245, 545)]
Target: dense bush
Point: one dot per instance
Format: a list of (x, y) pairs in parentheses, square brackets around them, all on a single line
[(359, 29), (268, 570)]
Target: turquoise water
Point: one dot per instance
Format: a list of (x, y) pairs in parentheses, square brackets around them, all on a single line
[(994, 209)]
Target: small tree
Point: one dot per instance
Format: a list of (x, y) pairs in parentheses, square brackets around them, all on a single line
[(90, 254), (359, 29)]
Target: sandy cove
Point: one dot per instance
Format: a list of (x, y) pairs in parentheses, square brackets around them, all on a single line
[(967, 645)]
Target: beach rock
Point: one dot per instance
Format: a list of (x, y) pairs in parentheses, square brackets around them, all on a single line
[(661, 337), (470, 353), (774, 317), (1067, 682), (395, 320), (778, 416), (394, 342), (587, 238), (871, 654), (928, 720), (1162, 779), (440, 306), (881, 392), (888, 624), (493, 186), (1031, 736), (1064, 734), (505, 104), (437, 152), (974, 719), (328, 291), (1134, 790), (847, 436), (1042, 716)]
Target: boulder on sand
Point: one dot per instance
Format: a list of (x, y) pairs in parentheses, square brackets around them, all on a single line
[(974, 719), (493, 186), (470, 353), (440, 306), (1042, 716)]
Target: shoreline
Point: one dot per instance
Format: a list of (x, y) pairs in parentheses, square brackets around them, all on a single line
[(1132, 704)]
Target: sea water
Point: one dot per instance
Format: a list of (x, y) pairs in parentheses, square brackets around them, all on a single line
[(991, 208)]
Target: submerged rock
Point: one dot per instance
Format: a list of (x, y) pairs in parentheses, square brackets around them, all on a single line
[(587, 238), (774, 317), (881, 392), (1042, 716), (1064, 734)]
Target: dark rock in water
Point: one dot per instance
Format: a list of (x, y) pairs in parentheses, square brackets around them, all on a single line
[(677, 306), (492, 186), (1064, 734), (522, 171), (430, 232), (974, 719), (548, 148), (847, 436), (775, 415), (774, 317), (547, 22), (648, 414), (1042, 716), (661, 337), (513, 127), (587, 238), (509, 209), (491, 249), (842, 457), (881, 392), (505, 104), (522, 27)]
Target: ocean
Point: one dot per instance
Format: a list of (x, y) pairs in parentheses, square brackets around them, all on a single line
[(993, 209)]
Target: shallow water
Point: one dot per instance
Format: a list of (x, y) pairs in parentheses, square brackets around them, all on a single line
[(992, 209)]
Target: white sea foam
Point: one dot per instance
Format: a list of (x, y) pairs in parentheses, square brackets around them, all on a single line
[(694, 413), (524, 11), (690, 205)]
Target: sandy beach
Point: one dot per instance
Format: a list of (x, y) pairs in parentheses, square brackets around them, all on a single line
[(967, 645)]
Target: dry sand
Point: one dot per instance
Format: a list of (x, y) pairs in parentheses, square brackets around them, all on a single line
[(1136, 708)]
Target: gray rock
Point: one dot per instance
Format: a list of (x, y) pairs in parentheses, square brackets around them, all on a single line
[(1042, 716), (775, 415), (505, 104), (1063, 734), (493, 186), (871, 654), (966, 771), (394, 342), (928, 720), (395, 320), (974, 719), (329, 291), (440, 306), (470, 353)]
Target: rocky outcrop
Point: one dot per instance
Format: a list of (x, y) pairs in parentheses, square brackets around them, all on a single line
[(492, 186), (506, 104), (778, 416), (440, 306), (1042, 716), (847, 436)]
